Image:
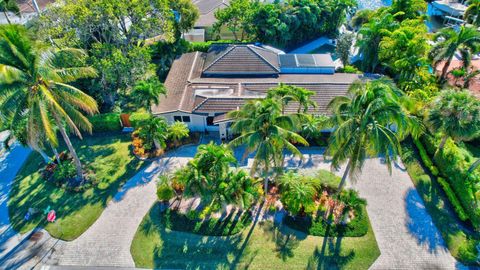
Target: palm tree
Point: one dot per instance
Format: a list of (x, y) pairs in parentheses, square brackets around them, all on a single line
[(178, 131), (370, 36), (448, 42), (241, 190), (213, 161), (9, 6), (265, 131), (35, 84), (154, 133), (472, 14), (369, 122), (456, 114), (289, 93), (147, 93), (312, 125), (297, 193)]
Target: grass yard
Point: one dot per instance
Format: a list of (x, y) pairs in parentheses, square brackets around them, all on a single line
[(260, 246), (108, 156), (460, 242)]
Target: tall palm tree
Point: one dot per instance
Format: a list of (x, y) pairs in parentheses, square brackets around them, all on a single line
[(147, 93), (264, 130), (9, 6), (472, 14), (448, 42), (35, 84), (369, 122), (292, 93), (456, 115)]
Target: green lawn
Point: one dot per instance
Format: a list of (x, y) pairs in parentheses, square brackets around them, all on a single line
[(108, 156), (260, 246), (460, 242)]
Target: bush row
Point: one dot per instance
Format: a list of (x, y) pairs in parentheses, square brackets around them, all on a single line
[(457, 206), (453, 163), (319, 227), (425, 158), (110, 122), (204, 46)]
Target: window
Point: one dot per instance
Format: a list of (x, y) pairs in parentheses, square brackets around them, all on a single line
[(186, 119), (177, 119), (210, 121)]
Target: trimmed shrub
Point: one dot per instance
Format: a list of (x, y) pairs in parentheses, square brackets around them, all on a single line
[(319, 227), (453, 199), (328, 179), (230, 225), (467, 252), (138, 118), (106, 122), (165, 192), (425, 158)]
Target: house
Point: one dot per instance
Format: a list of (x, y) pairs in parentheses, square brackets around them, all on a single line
[(203, 87), (207, 10)]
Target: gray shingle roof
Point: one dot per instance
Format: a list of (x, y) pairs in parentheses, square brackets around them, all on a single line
[(207, 10)]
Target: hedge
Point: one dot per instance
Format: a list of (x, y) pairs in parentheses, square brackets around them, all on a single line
[(190, 222), (106, 122), (356, 228), (204, 46), (453, 163), (137, 118), (425, 158), (457, 206)]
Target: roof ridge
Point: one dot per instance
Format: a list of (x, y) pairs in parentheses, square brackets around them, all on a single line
[(220, 57), (263, 58), (201, 103)]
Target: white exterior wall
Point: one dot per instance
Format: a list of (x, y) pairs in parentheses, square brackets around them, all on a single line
[(197, 122)]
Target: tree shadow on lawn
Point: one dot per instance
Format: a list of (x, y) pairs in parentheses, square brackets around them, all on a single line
[(286, 240), (30, 191), (420, 223), (329, 256)]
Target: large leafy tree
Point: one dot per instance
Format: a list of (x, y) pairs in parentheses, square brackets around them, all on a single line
[(408, 9), (146, 93), (35, 85), (370, 121), (237, 18), (456, 115), (369, 38), (344, 46), (9, 6), (449, 41), (263, 129)]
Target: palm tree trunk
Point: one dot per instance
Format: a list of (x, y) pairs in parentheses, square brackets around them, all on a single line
[(445, 68), (475, 165), (57, 156), (442, 144), (344, 178), (6, 17), (45, 157), (76, 160), (35, 6)]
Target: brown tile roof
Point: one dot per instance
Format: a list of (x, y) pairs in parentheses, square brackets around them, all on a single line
[(228, 59), (189, 92)]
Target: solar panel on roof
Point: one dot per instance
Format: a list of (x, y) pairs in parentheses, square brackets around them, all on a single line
[(305, 60), (288, 60)]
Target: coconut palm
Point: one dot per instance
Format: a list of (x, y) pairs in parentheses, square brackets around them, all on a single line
[(448, 42), (177, 131), (456, 115), (472, 13), (292, 93), (147, 93), (312, 125), (154, 132), (264, 130), (9, 6), (213, 161), (35, 84), (370, 121)]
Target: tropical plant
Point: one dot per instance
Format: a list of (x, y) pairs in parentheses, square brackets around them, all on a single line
[(344, 45), (369, 38), (291, 93), (35, 85), (265, 131), (312, 125), (456, 115), (408, 9), (472, 14), (147, 93), (154, 133), (178, 131), (449, 41), (297, 193), (351, 199), (9, 6), (370, 121)]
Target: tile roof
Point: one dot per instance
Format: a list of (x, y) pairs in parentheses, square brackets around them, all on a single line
[(188, 91), (207, 10), (241, 59)]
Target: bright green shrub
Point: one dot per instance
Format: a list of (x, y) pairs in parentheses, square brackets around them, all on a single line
[(138, 118), (425, 158), (204, 46), (328, 179), (63, 172), (467, 252), (106, 122), (165, 192), (350, 69), (457, 206)]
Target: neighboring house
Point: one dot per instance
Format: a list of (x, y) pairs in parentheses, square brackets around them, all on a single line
[(203, 87), (207, 10)]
